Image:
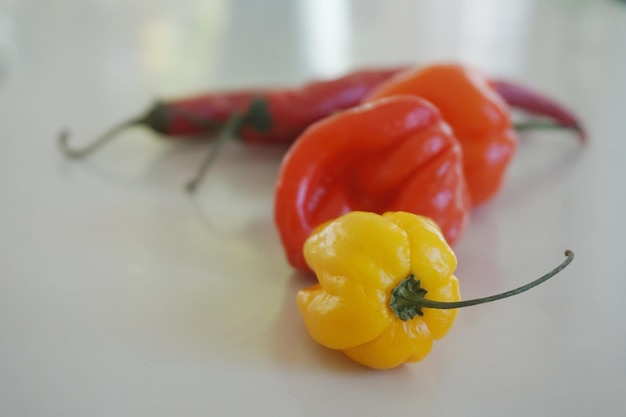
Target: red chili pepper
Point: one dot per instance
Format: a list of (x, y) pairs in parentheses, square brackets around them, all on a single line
[(523, 98), (290, 111), (394, 154)]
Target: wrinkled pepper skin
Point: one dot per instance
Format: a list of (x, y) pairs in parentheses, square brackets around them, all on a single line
[(478, 115), (358, 259), (395, 154)]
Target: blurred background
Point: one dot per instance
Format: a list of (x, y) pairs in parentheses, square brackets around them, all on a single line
[(170, 48)]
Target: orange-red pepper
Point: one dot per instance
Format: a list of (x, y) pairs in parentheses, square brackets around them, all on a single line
[(478, 115), (394, 154)]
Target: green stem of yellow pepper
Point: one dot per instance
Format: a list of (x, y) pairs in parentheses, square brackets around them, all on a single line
[(407, 298)]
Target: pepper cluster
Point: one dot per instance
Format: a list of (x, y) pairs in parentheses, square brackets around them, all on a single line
[(383, 170), (434, 141), (420, 150)]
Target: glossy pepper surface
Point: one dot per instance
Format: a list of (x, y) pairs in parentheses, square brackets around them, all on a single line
[(395, 154), (386, 288), (286, 111), (478, 115), (359, 259)]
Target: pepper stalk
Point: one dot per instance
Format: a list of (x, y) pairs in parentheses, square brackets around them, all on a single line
[(408, 297), (256, 116)]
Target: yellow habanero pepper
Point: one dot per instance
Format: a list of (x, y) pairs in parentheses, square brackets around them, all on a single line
[(373, 274)]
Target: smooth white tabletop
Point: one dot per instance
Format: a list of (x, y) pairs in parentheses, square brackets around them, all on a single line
[(120, 295)]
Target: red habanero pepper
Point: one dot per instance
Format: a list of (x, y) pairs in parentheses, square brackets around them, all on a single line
[(287, 111), (478, 115), (394, 154)]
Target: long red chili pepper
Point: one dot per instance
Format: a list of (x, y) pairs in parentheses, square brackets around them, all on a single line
[(290, 111), (523, 98)]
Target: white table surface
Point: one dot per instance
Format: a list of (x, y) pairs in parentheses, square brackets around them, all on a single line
[(122, 296)]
